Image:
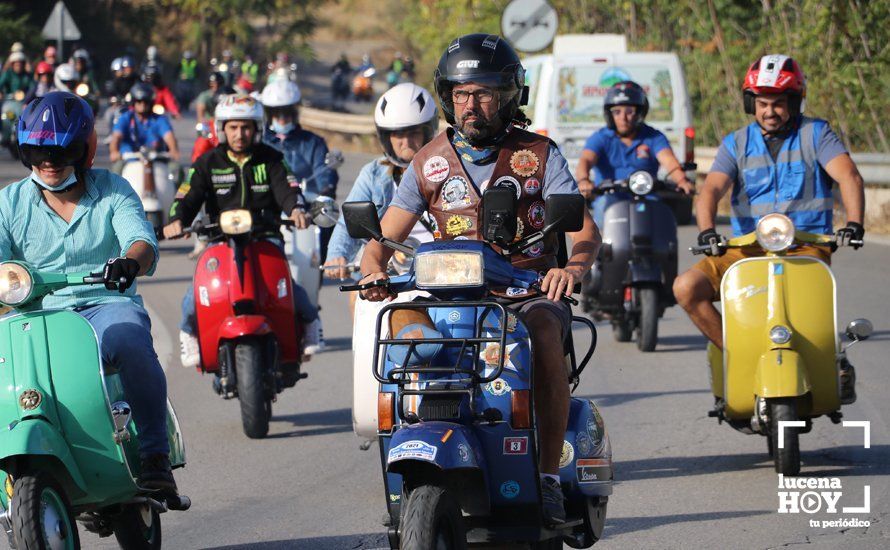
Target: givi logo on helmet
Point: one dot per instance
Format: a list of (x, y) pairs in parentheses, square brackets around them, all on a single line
[(468, 64)]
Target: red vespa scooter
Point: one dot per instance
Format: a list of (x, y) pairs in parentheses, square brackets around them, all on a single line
[(245, 312)]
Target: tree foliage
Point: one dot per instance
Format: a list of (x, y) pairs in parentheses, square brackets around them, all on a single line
[(842, 45)]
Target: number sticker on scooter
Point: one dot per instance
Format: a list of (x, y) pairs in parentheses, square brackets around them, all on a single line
[(414, 449)]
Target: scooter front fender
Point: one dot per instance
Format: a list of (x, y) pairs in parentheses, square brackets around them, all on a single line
[(36, 444), (244, 325), (781, 373), (646, 271), (449, 452), (442, 444)]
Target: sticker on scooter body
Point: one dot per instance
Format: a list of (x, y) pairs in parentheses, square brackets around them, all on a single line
[(515, 445), (591, 470), (414, 449), (510, 489)]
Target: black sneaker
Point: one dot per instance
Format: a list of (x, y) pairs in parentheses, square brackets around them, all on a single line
[(157, 475), (554, 510), (848, 383)]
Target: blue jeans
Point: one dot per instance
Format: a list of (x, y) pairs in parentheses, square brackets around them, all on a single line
[(125, 343), (303, 308)]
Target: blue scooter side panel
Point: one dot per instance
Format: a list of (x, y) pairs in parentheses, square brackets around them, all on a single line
[(586, 461)]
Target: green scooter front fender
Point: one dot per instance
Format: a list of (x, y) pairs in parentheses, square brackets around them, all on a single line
[(37, 444)]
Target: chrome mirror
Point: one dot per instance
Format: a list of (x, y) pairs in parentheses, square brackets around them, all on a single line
[(859, 329)]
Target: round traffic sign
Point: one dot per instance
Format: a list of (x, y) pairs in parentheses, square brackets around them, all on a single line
[(529, 25)]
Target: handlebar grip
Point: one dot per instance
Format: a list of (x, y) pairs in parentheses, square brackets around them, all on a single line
[(94, 279), (365, 286)]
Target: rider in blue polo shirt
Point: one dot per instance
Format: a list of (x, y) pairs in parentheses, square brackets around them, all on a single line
[(626, 144), (140, 127)]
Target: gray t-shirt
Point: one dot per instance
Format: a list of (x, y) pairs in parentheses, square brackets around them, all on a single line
[(828, 147), (557, 179)]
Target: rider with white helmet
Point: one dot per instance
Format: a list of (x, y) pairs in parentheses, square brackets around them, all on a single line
[(241, 172), (66, 78), (407, 119), (304, 151)]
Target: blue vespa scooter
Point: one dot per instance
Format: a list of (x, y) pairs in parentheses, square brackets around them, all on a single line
[(455, 422)]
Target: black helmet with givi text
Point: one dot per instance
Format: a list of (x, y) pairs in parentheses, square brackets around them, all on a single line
[(485, 59)]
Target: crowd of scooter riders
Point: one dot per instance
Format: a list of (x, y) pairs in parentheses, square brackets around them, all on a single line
[(256, 171)]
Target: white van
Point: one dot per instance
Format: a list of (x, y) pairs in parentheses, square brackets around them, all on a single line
[(567, 88)]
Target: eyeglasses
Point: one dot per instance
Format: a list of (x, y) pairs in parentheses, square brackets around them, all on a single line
[(626, 110), (482, 95)]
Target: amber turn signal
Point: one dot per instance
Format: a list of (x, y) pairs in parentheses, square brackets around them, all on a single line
[(386, 417)]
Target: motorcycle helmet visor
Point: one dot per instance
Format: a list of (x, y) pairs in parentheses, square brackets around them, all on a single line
[(35, 155), (280, 112)]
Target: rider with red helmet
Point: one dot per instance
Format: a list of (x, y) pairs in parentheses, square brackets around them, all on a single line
[(782, 162)]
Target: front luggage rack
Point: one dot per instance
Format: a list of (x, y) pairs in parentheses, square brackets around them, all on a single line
[(401, 375)]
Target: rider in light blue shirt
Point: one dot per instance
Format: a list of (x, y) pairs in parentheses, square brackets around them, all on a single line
[(140, 127)]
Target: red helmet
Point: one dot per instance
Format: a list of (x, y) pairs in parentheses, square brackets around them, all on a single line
[(775, 74), (44, 68)]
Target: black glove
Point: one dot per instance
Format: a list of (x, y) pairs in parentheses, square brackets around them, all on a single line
[(852, 232), (117, 269), (710, 238)]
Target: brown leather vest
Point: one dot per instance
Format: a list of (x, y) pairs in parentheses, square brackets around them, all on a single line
[(454, 201)]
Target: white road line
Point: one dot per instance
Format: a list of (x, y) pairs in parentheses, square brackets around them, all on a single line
[(162, 338)]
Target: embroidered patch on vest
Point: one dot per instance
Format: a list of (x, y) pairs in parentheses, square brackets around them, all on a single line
[(455, 193), (524, 163), (532, 186), (509, 181), (457, 225), (436, 169), (534, 250), (536, 214)]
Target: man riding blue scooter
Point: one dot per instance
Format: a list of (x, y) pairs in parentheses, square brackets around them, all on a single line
[(480, 83), (67, 217)]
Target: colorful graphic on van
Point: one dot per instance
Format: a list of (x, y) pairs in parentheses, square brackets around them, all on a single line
[(612, 76), (582, 88)]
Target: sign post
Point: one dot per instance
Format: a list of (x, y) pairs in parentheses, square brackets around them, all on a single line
[(60, 25), (529, 25)]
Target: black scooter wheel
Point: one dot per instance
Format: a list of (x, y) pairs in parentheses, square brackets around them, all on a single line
[(786, 459), (138, 527), (432, 519), (621, 331), (41, 515), (256, 407), (648, 330)]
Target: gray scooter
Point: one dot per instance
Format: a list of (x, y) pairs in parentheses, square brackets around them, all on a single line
[(631, 281)]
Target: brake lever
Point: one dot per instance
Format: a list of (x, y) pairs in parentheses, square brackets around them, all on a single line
[(565, 298)]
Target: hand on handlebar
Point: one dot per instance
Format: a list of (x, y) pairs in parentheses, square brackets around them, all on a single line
[(334, 272), (585, 187), (300, 218), (173, 230), (376, 294), (851, 235), (686, 187), (558, 284), (714, 241)]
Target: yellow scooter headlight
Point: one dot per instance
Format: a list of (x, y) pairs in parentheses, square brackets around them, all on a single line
[(775, 232), (235, 222)]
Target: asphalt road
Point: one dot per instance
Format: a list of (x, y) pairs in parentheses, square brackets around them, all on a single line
[(682, 481)]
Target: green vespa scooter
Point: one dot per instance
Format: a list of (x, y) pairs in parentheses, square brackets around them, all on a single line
[(68, 448)]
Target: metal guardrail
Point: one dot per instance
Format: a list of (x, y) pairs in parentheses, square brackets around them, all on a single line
[(874, 167)]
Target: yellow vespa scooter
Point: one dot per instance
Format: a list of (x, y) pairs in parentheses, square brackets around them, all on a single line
[(781, 353)]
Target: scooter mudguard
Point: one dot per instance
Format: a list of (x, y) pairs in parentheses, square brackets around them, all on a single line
[(446, 445), (45, 448), (645, 271), (781, 373), (244, 325), (586, 461), (452, 449)]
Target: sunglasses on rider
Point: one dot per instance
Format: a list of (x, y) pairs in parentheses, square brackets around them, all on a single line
[(35, 155)]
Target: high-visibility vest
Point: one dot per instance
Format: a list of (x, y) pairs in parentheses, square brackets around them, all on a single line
[(793, 184), (187, 69)]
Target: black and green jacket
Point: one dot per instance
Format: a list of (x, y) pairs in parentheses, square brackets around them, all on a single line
[(261, 185)]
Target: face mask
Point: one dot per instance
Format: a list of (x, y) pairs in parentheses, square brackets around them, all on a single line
[(64, 186), (279, 128)]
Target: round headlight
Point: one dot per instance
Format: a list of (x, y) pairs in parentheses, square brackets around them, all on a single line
[(775, 232), (779, 334), (82, 89), (158, 109), (641, 183), (15, 284)]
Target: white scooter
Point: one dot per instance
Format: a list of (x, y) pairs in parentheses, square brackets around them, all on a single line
[(149, 174), (364, 387), (303, 246)]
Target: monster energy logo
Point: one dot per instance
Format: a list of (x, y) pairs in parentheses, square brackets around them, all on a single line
[(259, 173)]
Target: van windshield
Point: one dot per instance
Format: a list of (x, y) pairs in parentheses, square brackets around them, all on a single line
[(581, 90), (532, 77)]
